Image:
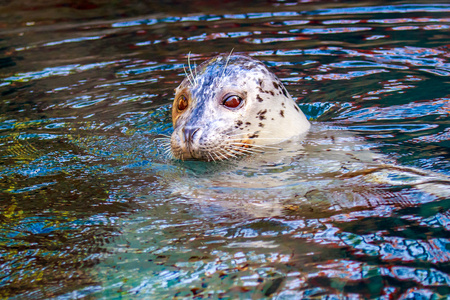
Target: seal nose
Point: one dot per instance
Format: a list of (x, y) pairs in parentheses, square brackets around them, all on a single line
[(189, 132)]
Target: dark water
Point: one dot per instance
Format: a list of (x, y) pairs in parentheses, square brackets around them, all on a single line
[(91, 207)]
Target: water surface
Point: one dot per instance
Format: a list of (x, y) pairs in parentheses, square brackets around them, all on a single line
[(92, 207)]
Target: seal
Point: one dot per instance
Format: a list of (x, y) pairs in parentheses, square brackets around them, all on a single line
[(229, 106)]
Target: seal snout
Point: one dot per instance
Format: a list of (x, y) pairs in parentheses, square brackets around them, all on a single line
[(189, 133), (189, 141), (183, 142)]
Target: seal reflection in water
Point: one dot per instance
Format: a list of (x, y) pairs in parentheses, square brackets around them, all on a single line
[(231, 105)]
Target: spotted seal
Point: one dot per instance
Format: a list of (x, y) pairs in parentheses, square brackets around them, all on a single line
[(231, 105)]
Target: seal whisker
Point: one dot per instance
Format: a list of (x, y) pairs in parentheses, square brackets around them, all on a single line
[(242, 135), (167, 148), (259, 146), (258, 139), (241, 143), (187, 75), (165, 144), (212, 158), (209, 157), (259, 131), (268, 138), (190, 69), (234, 152), (245, 134), (215, 154), (226, 63), (195, 73), (246, 150), (163, 141), (231, 154), (222, 155), (169, 153), (164, 137), (226, 155)]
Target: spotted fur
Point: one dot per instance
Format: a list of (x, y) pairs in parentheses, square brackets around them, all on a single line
[(208, 130)]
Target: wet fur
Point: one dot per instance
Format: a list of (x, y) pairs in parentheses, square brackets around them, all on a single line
[(268, 115)]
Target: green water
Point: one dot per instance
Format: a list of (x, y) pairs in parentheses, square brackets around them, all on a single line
[(92, 207)]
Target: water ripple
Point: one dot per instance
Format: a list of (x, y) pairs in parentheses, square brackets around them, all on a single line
[(402, 8), (88, 207), (74, 40), (333, 30), (413, 110), (51, 72)]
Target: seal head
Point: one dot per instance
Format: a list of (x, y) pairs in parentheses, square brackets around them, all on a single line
[(231, 105)]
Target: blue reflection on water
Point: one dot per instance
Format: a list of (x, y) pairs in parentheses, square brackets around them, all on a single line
[(402, 8)]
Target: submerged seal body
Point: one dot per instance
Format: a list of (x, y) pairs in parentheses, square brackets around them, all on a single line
[(232, 105)]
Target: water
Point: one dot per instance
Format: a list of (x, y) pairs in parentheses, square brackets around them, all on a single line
[(92, 207)]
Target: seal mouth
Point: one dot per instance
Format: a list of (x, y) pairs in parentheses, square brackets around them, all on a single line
[(223, 151), (232, 152)]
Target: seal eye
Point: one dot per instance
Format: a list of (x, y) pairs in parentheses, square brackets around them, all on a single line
[(232, 101), (182, 103)]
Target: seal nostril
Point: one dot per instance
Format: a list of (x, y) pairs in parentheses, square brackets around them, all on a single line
[(189, 133)]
